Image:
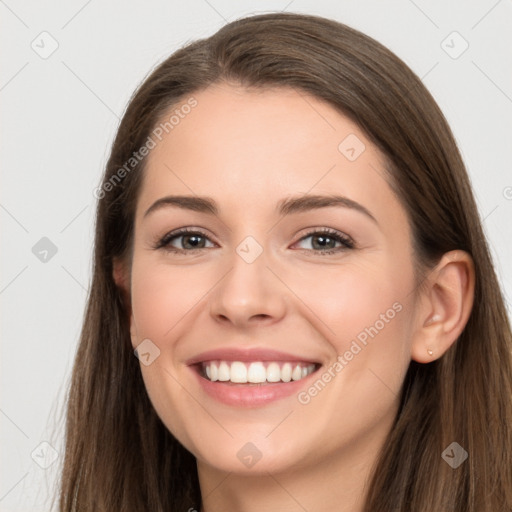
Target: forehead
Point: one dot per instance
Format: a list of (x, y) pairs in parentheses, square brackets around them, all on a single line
[(251, 148)]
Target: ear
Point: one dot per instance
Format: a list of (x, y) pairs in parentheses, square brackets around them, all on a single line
[(444, 307), (121, 276)]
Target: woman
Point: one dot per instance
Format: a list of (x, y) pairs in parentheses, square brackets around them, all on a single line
[(287, 241)]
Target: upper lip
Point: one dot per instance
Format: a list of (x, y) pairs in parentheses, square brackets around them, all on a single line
[(247, 355)]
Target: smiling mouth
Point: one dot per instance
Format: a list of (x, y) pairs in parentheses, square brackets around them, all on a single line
[(255, 372)]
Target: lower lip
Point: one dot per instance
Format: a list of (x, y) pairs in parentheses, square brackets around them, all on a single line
[(250, 395)]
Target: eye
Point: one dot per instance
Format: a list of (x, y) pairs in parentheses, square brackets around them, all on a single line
[(191, 240), (325, 241)]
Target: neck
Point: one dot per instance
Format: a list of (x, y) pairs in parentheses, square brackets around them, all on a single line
[(333, 484)]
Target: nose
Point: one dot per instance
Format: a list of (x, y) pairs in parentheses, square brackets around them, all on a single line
[(249, 294)]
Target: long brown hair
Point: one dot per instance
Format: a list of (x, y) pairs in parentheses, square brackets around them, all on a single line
[(119, 456)]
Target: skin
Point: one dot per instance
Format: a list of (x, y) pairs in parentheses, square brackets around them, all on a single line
[(248, 150)]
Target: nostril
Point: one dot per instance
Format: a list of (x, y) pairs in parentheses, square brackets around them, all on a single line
[(261, 316)]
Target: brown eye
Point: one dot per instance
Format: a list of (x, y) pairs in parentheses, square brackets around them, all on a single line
[(325, 241), (190, 241)]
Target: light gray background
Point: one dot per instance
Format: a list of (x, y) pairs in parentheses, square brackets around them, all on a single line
[(60, 114)]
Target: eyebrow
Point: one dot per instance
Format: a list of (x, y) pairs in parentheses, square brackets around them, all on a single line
[(286, 206)]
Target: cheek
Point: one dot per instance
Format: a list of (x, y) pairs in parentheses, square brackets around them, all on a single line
[(162, 296), (352, 300), (364, 311)]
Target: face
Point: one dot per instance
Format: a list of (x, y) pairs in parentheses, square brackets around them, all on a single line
[(277, 329)]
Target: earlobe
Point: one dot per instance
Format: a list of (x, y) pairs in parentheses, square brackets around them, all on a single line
[(133, 331), (121, 276), (445, 306)]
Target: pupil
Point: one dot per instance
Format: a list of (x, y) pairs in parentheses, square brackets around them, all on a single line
[(322, 241), (188, 238)]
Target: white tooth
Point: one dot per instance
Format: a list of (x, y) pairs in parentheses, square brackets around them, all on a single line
[(257, 373), (214, 372), (238, 372), (297, 373), (223, 373), (286, 372), (273, 373)]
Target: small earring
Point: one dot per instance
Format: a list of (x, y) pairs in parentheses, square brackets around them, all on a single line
[(432, 319), (430, 352)]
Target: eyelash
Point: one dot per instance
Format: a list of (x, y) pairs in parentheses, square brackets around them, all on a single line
[(164, 242)]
